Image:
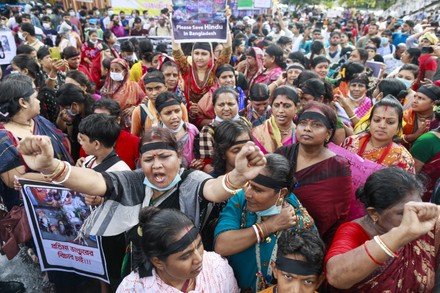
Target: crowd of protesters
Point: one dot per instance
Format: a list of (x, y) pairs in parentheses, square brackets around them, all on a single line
[(221, 157)]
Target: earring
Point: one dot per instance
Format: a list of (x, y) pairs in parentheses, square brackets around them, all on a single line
[(24, 107)]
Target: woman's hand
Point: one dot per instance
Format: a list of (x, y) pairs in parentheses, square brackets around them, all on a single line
[(37, 152), (193, 110), (418, 219), (63, 115), (286, 219), (343, 100), (196, 164), (93, 200), (80, 162), (248, 164)]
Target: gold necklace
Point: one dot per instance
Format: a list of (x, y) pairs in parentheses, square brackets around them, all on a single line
[(285, 132)]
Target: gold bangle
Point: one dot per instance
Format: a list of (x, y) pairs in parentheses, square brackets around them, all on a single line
[(49, 177), (229, 183)]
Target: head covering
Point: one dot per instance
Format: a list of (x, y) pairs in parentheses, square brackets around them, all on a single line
[(93, 21), (202, 46), (109, 89), (429, 91), (252, 74), (430, 37), (137, 20)]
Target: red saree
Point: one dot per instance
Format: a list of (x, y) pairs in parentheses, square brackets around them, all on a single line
[(412, 271), (325, 190)]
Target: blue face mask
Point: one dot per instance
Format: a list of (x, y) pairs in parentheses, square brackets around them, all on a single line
[(71, 114), (172, 184), (406, 82), (273, 210), (384, 41)]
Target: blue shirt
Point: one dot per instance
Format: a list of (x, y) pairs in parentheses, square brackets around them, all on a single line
[(399, 37)]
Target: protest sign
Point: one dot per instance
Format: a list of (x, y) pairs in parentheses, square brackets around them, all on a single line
[(55, 216), (7, 47), (199, 21), (360, 170)]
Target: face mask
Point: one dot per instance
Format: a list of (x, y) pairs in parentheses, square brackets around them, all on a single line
[(406, 82), (93, 42), (273, 210), (129, 58), (72, 13), (177, 129), (71, 114), (172, 184), (384, 41), (97, 13), (15, 72), (110, 13), (353, 99), (21, 37), (46, 25), (48, 11), (133, 15), (117, 76)]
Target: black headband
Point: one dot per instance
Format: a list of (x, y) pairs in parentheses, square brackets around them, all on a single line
[(224, 68), (269, 182), (316, 116), (295, 66), (183, 243), (202, 46), (430, 94), (156, 146), (359, 80), (170, 102), (297, 267), (148, 79), (240, 142)]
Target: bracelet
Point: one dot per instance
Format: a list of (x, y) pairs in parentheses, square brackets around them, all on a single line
[(384, 247), (60, 175), (256, 233), (371, 257), (52, 78), (352, 117), (69, 167), (227, 189), (260, 230), (55, 173), (404, 139), (228, 182)]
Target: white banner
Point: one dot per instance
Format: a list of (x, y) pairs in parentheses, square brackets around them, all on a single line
[(263, 4), (55, 216), (8, 48)]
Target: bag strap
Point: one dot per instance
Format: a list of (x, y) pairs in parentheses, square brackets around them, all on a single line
[(144, 113)]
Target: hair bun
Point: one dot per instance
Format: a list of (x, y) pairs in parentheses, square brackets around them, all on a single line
[(146, 214), (360, 194)]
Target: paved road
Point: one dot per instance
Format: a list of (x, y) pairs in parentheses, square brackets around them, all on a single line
[(23, 270)]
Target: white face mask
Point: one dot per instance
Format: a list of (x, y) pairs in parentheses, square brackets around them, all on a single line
[(110, 13), (46, 25), (21, 37), (406, 82), (15, 72), (72, 13), (48, 11), (129, 58), (117, 76)]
